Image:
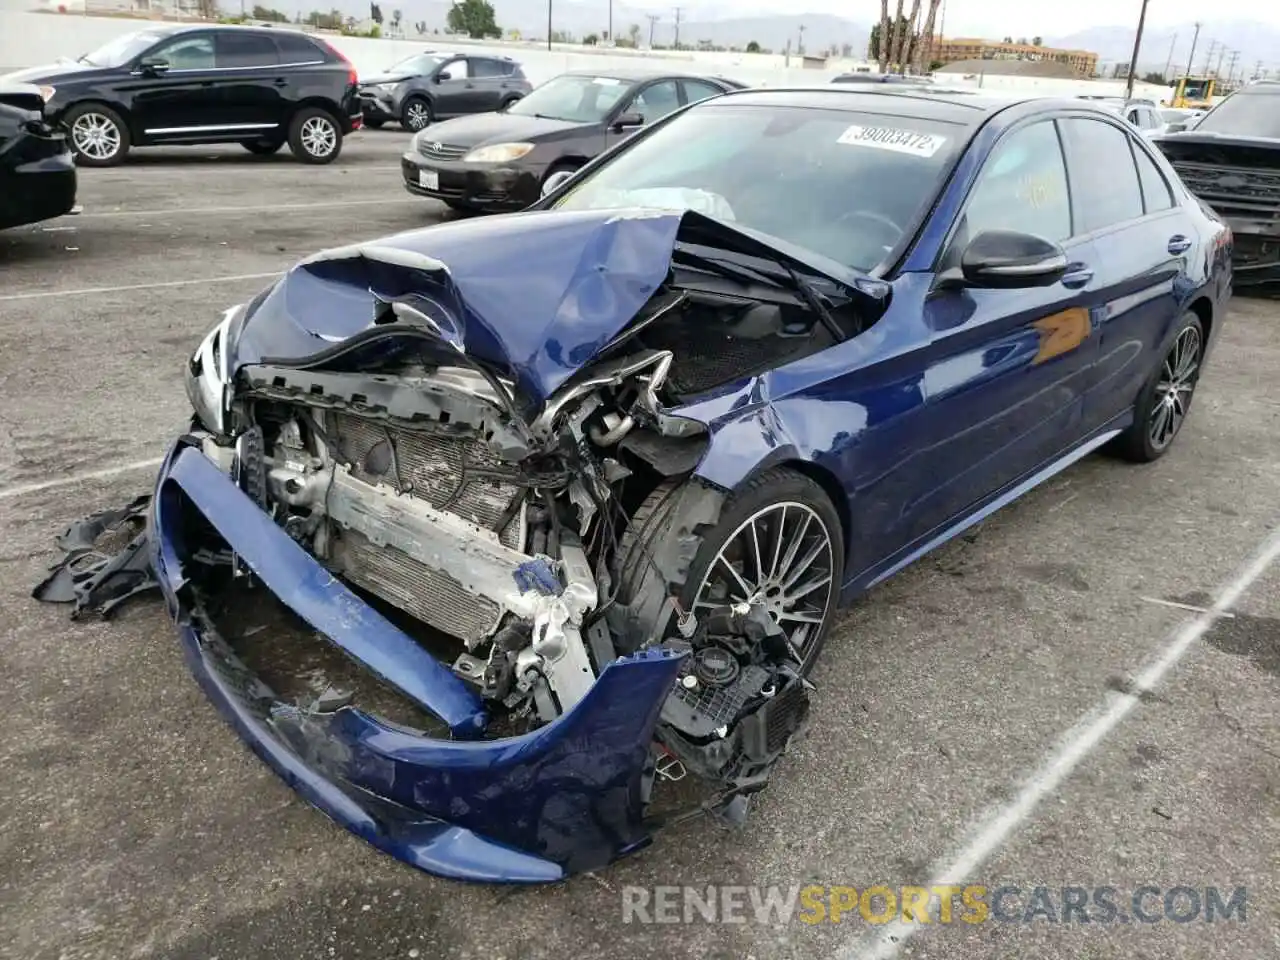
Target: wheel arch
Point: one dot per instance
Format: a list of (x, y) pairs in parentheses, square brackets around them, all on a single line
[(1202, 307), (125, 114), (322, 103)]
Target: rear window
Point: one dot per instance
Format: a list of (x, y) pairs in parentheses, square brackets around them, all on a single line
[(844, 185), (295, 48), (1248, 113)]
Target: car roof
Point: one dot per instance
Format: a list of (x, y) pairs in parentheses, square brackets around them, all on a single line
[(967, 107), (635, 74)]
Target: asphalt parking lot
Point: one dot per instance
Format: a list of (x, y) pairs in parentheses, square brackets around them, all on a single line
[(1038, 703)]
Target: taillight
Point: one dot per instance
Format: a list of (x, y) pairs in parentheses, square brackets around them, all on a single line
[(352, 76)]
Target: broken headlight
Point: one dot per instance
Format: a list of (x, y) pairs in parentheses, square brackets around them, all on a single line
[(208, 380)]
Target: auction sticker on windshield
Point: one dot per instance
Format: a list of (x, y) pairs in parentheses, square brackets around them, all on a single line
[(890, 138)]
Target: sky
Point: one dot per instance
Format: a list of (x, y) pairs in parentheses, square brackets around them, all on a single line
[(1000, 17)]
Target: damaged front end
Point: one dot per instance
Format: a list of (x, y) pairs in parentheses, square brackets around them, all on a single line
[(414, 457)]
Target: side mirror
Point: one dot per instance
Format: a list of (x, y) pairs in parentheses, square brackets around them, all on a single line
[(1008, 260), (626, 120), (152, 66), (443, 75), (555, 181)]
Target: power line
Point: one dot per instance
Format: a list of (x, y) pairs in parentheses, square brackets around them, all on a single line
[(653, 18), (1208, 57)]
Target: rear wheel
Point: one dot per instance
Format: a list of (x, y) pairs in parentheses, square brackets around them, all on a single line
[(1163, 406), (314, 136), (99, 136), (778, 542), (416, 114), (263, 148)]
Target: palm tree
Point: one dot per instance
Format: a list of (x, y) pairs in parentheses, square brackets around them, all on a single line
[(907, 43), (882, 51), (893, 35), (924, 50)]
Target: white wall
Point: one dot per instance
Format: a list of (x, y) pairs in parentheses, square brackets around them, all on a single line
[(29, 39)]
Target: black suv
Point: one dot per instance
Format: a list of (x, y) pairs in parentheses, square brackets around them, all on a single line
[(435, 86), (199, 84)]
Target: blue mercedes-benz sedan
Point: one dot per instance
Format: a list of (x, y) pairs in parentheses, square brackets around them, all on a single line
[(574, 493)]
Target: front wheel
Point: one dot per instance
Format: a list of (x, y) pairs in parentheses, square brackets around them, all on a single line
[(314, 136), (99, 136), (777, 542), (416, 114), (1165, 401)]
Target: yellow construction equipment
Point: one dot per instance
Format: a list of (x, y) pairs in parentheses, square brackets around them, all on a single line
[(1192, 92)]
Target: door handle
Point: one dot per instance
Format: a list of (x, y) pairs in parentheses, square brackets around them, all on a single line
[(281, 81), (1077, 276), (1179, 244)]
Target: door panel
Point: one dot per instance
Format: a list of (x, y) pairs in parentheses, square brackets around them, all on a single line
[(1123, 198), (459, 94), (1005, 371), (252, 89), (183, 96)]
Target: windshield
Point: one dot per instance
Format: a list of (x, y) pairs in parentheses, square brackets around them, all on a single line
[(1249, 113), (574, 98), (844, 185), (121, 50), (418, 65)]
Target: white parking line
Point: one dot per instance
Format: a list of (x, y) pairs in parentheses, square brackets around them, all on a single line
[(261, 208), (86, 291), (75, 478), (886, 941)]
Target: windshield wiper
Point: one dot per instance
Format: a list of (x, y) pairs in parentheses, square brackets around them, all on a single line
[(812, 298)]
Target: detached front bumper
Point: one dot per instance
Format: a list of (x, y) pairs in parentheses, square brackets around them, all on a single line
[(535, 808), (379, 106), (485, 186)]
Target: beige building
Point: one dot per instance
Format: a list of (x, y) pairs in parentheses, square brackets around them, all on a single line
[(950, 50)]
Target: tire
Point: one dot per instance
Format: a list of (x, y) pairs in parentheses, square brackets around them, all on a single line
[(1153, 431), (508, 102), (263, 148), (314, 136), (762, 500), (94, 129), (416, 114)]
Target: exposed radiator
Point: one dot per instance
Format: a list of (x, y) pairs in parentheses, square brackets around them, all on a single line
[(431, 596), (431, 468)]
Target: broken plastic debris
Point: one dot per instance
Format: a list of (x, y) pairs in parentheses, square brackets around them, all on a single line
[(537, 574)]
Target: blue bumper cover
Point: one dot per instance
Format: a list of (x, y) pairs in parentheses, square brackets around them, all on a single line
[(528, 809)]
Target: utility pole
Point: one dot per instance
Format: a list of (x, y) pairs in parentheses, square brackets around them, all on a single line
[(1222, 52), (653, 18), (548, 24), (1208, 57), (1231, 70), (1137, 45), (800, 42), (611, 23), (677, 43), (1193, 48), (1257, 70), (1169, 62)]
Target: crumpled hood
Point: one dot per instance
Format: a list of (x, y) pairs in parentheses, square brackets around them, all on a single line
[(536, 296)]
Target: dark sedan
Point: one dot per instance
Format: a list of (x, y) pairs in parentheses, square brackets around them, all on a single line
[(499, 161), (434, 86), (37, 173)]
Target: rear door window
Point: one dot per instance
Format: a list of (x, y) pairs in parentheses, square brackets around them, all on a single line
[(1104, 179), (487, 68), (246, 50), (295, 48), (1156, 195)]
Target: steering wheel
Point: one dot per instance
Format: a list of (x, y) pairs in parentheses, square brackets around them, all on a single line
[(875, 217)]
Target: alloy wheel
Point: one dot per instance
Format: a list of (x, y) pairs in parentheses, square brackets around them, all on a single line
[(780, 557), (418, 115), (319, 138), (1177, 382), (95, 136)]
